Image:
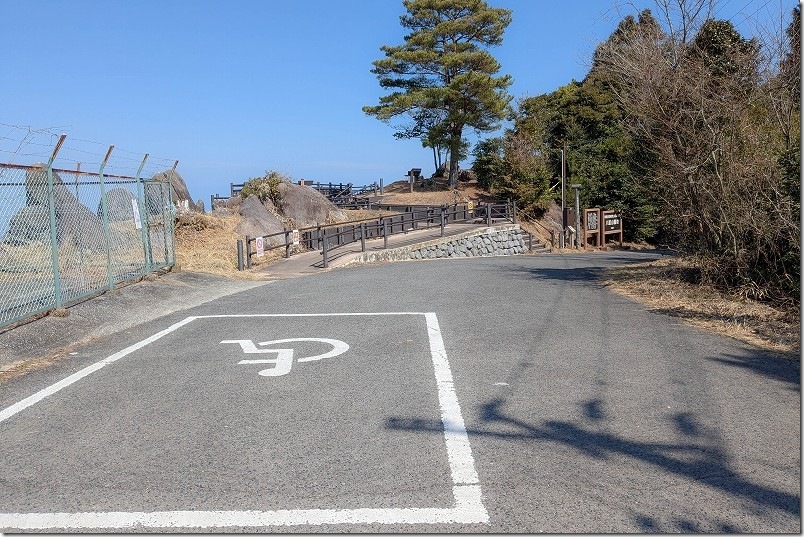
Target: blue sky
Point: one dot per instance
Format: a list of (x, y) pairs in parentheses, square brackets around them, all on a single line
[(234, 88)]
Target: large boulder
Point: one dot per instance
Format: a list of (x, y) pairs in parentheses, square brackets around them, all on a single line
[(36, 184), (74, 220), (306, 206), (179, 191), (29, 224), (258, 220), (118, 205)]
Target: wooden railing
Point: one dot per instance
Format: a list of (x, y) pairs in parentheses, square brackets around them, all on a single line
[(405, 218)]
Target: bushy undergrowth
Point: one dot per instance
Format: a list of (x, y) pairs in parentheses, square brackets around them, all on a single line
[(265, 187)]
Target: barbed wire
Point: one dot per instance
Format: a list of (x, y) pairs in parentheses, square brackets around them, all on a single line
[(17, 141)]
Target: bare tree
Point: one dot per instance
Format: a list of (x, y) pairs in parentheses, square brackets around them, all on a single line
[(715, 118)]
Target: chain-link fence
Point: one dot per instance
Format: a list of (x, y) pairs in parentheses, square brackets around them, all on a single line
[(65, 235)]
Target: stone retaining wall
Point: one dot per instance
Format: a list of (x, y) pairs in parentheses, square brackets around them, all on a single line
[(485, 242)]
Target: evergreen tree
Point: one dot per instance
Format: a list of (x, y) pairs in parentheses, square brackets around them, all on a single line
[(443, 71)]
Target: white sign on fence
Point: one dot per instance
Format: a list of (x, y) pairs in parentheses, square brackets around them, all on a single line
[(260, 246), (137, 220), (295, 236)]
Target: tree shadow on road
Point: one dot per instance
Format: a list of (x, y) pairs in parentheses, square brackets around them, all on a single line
[(767, 365), (699, 458)]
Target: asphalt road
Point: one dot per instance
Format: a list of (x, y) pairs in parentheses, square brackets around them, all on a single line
[(485, 395)]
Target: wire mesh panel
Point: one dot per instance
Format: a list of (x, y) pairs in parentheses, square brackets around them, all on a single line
[(159, 208), (82, 241), (124, 231), (67, 234), (26, 262)]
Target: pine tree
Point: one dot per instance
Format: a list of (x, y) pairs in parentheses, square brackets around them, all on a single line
[(444, 71)]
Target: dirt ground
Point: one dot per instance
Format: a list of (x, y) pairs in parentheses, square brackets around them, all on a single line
[(657, 285), (438, 193)]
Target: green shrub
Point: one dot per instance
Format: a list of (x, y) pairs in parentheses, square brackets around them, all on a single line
[(265, 187)]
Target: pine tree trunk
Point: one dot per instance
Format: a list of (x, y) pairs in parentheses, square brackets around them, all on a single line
[(454, 155)]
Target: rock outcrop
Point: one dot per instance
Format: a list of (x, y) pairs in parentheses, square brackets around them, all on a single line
[(74, 221), (179, 190), (259, 221), (118, 205), (306, 206)]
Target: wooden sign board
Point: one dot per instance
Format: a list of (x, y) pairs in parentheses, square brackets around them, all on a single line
[(612, 224), (591, 226)]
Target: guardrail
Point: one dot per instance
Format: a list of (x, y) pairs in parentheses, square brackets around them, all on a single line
[(406, 218)]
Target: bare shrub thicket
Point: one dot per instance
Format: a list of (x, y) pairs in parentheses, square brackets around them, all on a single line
[(717, 114)]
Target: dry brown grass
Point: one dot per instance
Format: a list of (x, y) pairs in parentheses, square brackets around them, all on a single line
[(354, 215), (208, 244), (660, 286)]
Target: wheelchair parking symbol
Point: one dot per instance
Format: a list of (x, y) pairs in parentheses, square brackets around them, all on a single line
[(283, 361)]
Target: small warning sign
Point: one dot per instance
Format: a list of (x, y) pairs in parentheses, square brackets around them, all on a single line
[(137, 218), (260, 246)]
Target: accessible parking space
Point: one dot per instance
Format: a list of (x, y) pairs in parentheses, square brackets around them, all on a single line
[(235, 421)]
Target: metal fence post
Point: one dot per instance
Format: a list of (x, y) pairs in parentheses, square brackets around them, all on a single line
[(143, 217), (248, 251), (362, 236), (170, 259), (105, 213), (442, 221), (514, 210), (488, 214), (240, 254), (54, 238), (287, 242), (324, 247), (384, 234)]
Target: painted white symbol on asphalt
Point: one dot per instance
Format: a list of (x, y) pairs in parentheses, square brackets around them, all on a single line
[(284, 357)]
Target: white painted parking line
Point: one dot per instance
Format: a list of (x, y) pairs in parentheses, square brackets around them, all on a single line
[(75, 377), (467, 507)]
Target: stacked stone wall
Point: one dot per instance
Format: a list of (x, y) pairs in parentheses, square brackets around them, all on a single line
[(487, 242)]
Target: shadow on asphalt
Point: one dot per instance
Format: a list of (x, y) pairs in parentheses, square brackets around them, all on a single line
[(767, 365), (698, 455), (589, 274)]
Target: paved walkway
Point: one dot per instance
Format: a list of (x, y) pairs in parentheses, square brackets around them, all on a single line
[(312, 262)]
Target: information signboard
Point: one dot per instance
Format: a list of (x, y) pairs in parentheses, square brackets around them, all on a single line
[(612, 221), (591, 226), (612, 225)]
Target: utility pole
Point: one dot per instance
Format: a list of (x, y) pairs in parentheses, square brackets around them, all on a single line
[(563, 182), (577, 187)]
